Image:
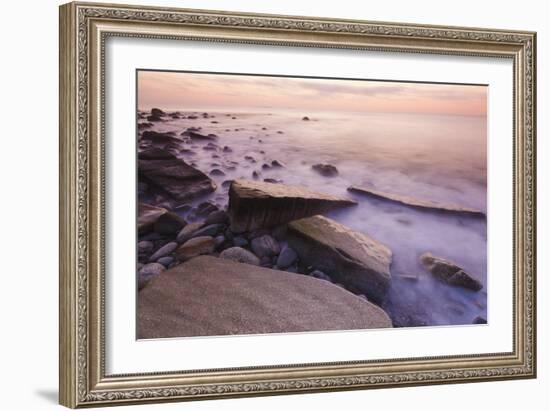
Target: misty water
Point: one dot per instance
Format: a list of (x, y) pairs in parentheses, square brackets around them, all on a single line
[(429, 157)]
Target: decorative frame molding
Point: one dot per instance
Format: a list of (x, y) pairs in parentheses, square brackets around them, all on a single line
[(83, 30)]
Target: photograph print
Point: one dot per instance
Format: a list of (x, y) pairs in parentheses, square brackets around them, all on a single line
[(277, 204)]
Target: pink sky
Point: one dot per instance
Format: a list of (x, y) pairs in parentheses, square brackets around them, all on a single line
[(172, 91)]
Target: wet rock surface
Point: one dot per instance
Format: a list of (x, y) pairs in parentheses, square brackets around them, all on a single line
[(354, 259), (416, 203), (255, 205), (254, 230), (173, 175)]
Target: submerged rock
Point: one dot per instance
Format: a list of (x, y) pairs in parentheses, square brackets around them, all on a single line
[(217, 172), (173, 175), (255, 204), (305, 118), (416, 203), (157, 112), (353, 259), (248, 300), (449, 272), (196, 136), (240, 255), (327, 170)]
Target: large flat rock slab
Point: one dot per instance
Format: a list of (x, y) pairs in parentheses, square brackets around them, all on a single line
[(173, 175), (351, 258), (416, 202), (213, 296), (254, 205)]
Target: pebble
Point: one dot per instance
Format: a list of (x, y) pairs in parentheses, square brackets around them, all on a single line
[(194, 247), (216, 217), (240, 241), (320, 275), (166, 261), (145, 247), (218, 241), (240, 255), (265, 246), (163, 251), (287, 257), (187, 231), (209, 230)]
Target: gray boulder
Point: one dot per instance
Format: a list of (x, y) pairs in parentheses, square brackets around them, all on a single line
[(223, 297), (353, 259)]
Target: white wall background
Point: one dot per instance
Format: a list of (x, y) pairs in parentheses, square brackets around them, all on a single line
[(28, 217)]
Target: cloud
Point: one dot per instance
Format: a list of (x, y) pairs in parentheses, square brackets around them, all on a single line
[(179, 90)]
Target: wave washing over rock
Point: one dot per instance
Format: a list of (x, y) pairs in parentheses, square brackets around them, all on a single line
[(197, 171)]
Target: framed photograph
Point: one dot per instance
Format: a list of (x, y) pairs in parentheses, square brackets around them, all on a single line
[(260, 204)]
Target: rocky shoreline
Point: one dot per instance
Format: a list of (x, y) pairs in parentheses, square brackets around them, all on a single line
[(265, 228)]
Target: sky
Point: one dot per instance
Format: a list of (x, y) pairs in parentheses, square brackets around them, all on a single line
[(179, 90)]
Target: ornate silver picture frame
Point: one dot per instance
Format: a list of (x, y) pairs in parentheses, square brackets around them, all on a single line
[(84, 30)]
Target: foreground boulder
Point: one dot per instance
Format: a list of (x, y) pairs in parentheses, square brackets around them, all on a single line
[(353, 259), (172, 175), (417, 203), (449, 272), (254, 204), (213, 296)]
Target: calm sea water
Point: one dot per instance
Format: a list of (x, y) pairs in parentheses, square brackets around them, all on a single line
[(429, 157)]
